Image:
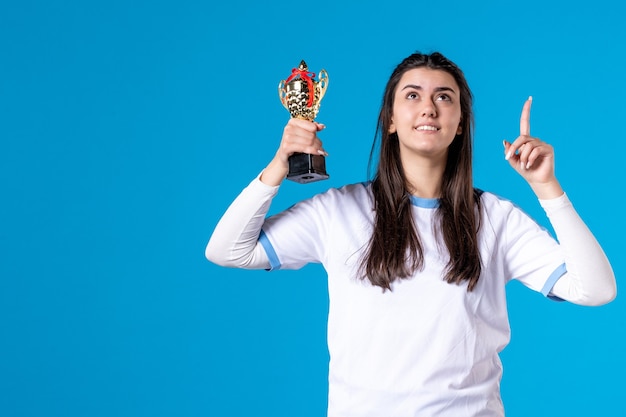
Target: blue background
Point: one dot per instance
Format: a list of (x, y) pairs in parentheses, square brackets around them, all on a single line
[(127, 127)]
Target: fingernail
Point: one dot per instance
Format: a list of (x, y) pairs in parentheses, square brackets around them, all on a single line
[(521, 165), (322, 152), (528, 165), (508, 156), (530, 98)]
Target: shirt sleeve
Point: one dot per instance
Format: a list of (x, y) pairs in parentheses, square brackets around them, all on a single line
[(531, 255), (589, 279), (235, 240), (297, 236)]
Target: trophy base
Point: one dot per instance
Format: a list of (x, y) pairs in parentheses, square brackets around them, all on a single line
[(304, 168)]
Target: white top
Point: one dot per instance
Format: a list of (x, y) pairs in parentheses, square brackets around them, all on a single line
[(426, 348)]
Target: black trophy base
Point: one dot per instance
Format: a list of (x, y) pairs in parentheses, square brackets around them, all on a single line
[(304, 168)]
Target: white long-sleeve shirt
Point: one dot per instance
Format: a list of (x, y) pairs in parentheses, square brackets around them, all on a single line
[(427, 347)]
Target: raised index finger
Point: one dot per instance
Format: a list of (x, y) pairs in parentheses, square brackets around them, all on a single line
[(524, 121)]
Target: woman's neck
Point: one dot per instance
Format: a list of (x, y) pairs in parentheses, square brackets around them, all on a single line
[(424, 176)]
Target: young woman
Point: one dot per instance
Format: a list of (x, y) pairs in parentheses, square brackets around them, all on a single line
[(417, 259)]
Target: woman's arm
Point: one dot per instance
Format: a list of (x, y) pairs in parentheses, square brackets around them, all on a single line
[(589, 279), (234, 242)]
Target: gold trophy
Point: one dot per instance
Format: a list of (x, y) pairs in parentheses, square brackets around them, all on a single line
[(301, 94)]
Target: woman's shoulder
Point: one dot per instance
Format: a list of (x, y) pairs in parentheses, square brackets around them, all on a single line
[(494, 203), (356, 192), (488, 197), (332, 204), (501, 210)]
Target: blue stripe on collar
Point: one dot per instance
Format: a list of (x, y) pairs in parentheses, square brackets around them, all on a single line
[(429, 203)]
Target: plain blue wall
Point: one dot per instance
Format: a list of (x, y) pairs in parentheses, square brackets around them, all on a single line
[(127, 127)]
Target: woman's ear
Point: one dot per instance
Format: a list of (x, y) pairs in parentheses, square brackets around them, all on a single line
[(392, 128), (459, 129)]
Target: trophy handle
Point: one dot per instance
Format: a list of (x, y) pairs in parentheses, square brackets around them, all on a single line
[(282, 94), (322, 83)]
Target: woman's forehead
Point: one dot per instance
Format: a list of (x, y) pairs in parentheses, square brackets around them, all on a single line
[(428, 78)]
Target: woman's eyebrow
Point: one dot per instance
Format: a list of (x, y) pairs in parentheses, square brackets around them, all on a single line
[(416, 87), (437, 89)]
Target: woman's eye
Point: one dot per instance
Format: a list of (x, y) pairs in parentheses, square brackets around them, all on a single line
[(443, 97), (412, 96)]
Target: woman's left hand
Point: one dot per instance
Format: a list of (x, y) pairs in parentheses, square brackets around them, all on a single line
[(533, 159)]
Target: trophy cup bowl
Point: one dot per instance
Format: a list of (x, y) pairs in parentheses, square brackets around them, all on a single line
[(301, 94)]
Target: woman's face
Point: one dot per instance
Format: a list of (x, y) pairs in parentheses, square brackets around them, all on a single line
[(426, 112)]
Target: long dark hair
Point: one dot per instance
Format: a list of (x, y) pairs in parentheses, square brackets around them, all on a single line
[(395, 250)]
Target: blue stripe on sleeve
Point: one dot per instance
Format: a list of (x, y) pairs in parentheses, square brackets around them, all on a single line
[(552, 279), (269, 249)]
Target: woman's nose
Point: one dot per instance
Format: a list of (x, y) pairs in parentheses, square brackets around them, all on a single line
[(429, 110)]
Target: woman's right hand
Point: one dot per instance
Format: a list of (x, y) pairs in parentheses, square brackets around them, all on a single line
[(299, 136)]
